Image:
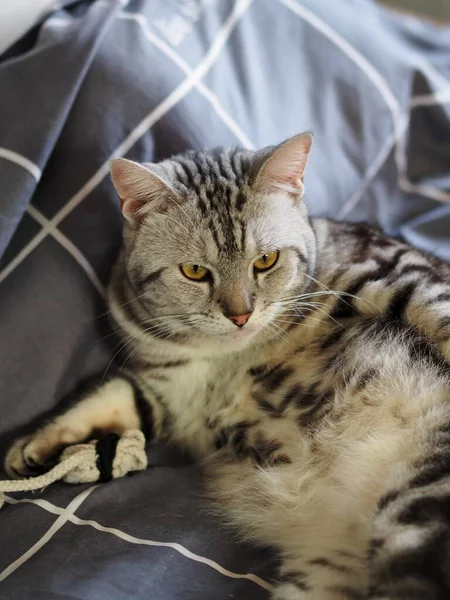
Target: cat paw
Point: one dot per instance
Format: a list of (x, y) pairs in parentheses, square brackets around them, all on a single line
[(34, 454), (16, 464)]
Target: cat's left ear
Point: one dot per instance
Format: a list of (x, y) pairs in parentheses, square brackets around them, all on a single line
[(284, 169)]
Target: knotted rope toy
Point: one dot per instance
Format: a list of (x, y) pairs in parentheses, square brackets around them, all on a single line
[(99, 460)]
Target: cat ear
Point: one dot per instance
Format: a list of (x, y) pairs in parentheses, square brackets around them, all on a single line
[(285, 167), (140, 191)]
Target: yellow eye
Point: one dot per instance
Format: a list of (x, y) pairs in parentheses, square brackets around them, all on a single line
[(195, 272), (266, 261)]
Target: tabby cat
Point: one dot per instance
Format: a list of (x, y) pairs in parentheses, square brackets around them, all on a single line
[(304, 362)]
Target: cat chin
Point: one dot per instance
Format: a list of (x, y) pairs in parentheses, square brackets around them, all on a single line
[(224, 343), (240, 334)]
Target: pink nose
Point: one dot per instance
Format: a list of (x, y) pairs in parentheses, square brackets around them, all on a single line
[(240, 320)]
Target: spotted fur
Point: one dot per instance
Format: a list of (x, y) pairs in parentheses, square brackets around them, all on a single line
[(323, 426)]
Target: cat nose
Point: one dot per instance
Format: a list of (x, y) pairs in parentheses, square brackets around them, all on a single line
[(240, 320)]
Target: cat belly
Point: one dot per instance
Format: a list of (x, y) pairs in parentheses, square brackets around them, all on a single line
[(336, 473), (318, 501)]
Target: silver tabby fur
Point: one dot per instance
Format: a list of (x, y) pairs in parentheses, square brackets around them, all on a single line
[(323, 424)]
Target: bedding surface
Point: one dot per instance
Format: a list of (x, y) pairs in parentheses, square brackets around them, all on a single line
[(147, 79)]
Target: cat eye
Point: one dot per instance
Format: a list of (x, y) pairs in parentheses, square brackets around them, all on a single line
[(194, 272), (266, 261)]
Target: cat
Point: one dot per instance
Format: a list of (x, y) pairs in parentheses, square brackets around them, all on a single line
[(304, 362)]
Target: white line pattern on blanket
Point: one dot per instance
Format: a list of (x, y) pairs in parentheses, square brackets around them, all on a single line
[(69, 247), (21, 160), (378, 81), (361, 61), (56, 510), (64, 516), (400, 120), (370, 175), (199, 86), (441, 97), (156, 114)]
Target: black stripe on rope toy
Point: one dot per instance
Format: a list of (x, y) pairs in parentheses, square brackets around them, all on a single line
[(105, 449)]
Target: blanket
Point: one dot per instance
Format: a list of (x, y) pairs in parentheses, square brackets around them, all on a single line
[(147, 79)]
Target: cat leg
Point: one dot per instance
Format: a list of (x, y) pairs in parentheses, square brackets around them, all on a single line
[(114, 407)]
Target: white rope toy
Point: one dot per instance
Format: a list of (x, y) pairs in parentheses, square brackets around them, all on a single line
[(99, 460)]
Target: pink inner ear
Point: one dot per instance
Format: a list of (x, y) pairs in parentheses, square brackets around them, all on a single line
[(286, 167), (130, 209)]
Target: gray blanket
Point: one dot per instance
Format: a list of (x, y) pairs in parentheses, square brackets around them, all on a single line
[(145, 80)]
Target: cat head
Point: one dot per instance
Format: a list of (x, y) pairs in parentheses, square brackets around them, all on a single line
[(217, 241)]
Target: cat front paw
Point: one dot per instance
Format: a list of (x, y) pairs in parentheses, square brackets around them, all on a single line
[(17, 463), (36, 453)]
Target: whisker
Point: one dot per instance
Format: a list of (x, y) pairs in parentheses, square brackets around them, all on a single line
[(290, 322), (327, 314), (277, 333), (342, 293), (312, 305), (319, 283), (308, 295), (307, 318), (168, 334), (148, 331), (111, 361)]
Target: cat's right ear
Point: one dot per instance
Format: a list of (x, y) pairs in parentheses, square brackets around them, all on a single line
[(140, 191)]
